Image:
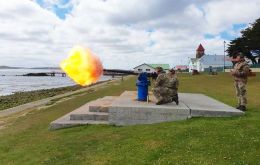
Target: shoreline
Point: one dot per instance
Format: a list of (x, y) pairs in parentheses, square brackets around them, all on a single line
[(20, 98), (41, 90), (12, 84), (36, 99)]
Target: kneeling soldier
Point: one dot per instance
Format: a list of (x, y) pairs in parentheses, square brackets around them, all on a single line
[(161, 90), (174, 85)]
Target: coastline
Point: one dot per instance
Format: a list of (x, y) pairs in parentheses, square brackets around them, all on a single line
[(23, 102), (20, 98)]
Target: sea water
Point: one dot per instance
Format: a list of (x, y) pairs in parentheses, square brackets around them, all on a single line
[(11, 80)]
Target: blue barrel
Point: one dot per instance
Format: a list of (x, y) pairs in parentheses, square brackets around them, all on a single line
[(142, 87)]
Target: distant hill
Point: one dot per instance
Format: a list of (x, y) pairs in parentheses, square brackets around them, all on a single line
[(9, 67)]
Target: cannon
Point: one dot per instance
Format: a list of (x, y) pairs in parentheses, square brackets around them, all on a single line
[(142, 81), (153, 75)]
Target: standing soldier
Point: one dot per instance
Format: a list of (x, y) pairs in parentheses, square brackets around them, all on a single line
[(174, 85), (240, 74), (161, 90)]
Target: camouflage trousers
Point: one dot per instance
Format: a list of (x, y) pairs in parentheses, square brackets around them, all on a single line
[(241, 92), (164, 94)]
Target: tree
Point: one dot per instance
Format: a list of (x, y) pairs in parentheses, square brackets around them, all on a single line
[(248, 43)]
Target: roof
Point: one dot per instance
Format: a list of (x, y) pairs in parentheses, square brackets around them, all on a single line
[(142, 64), (200, 48), (193, 60), (214, 60), (181, 67), (164, 66)]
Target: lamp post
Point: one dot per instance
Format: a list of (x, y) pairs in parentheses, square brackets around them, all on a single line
[(224, 56)]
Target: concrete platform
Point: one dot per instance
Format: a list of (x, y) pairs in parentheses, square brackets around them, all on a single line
[(203, 106), (126, 110)]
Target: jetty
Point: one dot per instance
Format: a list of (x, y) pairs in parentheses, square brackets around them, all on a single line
[(52, 74)]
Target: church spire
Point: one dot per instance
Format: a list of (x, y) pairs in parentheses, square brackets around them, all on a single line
[(200, 51)]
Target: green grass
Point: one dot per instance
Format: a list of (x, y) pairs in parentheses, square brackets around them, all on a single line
[(235, 140)]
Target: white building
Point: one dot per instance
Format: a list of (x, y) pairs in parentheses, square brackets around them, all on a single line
[(203, 62), (207, 61), (149, 68)]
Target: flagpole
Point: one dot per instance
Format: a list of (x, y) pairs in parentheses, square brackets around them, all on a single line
[(224, 56)]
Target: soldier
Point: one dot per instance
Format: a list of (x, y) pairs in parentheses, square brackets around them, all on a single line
[(160, 90), (174, 85), (240, 74)]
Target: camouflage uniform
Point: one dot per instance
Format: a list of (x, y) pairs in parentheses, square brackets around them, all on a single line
[(174, 85), (161, 90), (241, 70)]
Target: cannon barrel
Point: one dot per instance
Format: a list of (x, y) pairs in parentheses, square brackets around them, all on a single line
[(120, 71), (128, 72)]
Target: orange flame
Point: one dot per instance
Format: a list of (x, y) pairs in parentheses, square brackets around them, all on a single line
[(82, 66)]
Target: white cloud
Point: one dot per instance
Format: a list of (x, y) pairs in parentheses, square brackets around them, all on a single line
[(122, 33), (222, 14)]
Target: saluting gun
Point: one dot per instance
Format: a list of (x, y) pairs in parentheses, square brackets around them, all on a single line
[(142, 82), (153, 75)]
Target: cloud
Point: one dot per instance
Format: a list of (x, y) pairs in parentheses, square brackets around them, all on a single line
[(122, 33), (222, 15)]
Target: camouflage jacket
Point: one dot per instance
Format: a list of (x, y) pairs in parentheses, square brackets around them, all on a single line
[(161, 81), (241, 71), (173, 81)]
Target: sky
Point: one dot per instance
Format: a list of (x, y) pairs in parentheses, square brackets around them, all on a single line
[(123, 34)]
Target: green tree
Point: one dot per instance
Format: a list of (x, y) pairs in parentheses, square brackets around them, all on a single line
[(248, 43)]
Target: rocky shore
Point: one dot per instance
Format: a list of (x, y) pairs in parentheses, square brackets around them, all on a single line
[(20, 98)]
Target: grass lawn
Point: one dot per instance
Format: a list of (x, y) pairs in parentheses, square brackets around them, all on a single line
[(236, 140)]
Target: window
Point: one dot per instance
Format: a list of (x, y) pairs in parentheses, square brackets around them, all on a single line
[(140, 70), (147, 69)]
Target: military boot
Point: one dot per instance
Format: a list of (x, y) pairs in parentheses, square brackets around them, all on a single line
[(238, 107), (159, 102), (242, 108), (176, 100)]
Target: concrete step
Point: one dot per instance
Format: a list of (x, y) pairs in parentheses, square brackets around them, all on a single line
[(101, 105), (65, 122), (95, 116), (94, 112), (97, 108)]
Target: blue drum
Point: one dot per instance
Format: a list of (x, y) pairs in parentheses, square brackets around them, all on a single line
[(142, 86)]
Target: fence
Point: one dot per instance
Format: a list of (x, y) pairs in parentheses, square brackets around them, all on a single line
[(255, 66), (220, 69), (215, 69)]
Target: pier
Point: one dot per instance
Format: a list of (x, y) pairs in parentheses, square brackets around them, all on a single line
[(52, 74)]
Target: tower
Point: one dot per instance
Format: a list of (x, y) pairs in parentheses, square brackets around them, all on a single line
[(200, 51)]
